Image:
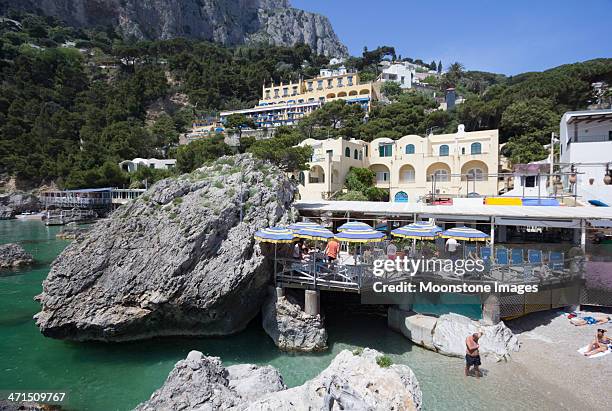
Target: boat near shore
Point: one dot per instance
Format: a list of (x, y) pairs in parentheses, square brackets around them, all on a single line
[(30, 215)]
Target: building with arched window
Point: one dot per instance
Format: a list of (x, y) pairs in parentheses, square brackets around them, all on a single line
[(412, 167)]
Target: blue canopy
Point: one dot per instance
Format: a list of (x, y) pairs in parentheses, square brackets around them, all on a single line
[(314, 233), (418, 231), (465, 234), (275, 235), (360, 236), (354, 225), (303, 224)]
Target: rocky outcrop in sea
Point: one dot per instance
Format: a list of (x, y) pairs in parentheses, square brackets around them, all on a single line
[(360, 380), (179, 260), (229, 22), (14, 256), (285, 321), (17, 202)]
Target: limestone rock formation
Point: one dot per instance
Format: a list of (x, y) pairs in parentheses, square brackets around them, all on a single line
[(226, 21), (14, 256), (17, 202), (179, 260), (447, 333), (353, 381), (290, 327), (27, 406)]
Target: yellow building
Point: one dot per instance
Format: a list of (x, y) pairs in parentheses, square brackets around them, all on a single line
[(410, 168), (287, 103)]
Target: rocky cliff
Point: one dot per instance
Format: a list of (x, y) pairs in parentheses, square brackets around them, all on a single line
[(180, 260), (225, 21)]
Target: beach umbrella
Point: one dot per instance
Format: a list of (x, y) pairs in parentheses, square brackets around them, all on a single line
[(465, 234), (275, 235), (303, 224), (352, 235), (354, 225), (314, 233), (418, 231)]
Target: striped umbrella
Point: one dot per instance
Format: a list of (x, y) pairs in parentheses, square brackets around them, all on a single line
[(360, 235), (275, 235), (465, 234), (314, 233), (418, 231), (354, 225), (303, 224)]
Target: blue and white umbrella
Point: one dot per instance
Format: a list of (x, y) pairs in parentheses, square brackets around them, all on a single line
[(360, 236), (354, 225), (275, 235), (314, 233), (303, 224), (465, 234), (418, 231)]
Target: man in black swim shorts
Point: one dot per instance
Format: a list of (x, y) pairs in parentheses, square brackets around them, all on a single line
[(472, 356)]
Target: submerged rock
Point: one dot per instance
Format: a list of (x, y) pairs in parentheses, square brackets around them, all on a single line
[(290, 327), (14, 256), (353, 381), (176, 261)]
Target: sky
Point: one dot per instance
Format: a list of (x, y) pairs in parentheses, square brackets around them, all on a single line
[(509, 37)]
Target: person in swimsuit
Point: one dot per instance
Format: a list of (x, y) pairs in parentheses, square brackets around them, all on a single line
[(599, 344), (472, 356)]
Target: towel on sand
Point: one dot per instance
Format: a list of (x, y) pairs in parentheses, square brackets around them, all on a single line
[(599, 354)]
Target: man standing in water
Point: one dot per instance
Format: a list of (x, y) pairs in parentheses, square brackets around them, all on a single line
[(472, 356)]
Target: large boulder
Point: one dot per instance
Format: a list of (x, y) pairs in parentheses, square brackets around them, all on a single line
[(353, 381), (451, 330), (14, 256), (179, 260), (290, 327), (17, 202)]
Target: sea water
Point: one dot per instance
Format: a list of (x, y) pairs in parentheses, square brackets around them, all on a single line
[(103, 376)]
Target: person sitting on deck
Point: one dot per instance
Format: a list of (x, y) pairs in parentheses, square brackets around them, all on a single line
[(391, 251), (599, 344), (297, 250), (332, 249), (472, 356)]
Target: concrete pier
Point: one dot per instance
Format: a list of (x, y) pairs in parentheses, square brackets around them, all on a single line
[(312, 302)]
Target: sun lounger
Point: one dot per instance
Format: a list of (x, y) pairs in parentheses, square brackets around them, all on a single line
[(555, 260), (534, 257), (599, 354), (501, 256), (516, 256)]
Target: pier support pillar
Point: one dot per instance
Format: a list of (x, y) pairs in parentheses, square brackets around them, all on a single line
[(491, 309), (311, 302), (280, 292)]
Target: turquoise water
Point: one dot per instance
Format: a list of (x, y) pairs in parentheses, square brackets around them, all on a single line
[(119, 376)]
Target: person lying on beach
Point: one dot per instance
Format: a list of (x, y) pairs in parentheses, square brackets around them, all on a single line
[(599, 344), (472, 356), (594, 319)]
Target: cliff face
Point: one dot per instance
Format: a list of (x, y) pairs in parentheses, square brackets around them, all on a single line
[(226, 21)]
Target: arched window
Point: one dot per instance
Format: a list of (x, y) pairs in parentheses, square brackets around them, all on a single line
[(401, 197), (356, 155), (410, 149), (439, 175), (347, 152), (476, 148), (475, 174), (443, 150), (302, 178)]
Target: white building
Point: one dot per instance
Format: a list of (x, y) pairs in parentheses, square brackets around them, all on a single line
[(401, 72), (132, 165), (586, 149)]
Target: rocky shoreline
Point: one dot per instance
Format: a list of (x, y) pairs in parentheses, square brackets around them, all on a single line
[(359, 380), (18, 202)]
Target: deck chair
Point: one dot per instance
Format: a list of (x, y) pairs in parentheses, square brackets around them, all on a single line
[(534, 257), (516, 256), (470, 249), (501, 256), (485, 255), (555, 260)]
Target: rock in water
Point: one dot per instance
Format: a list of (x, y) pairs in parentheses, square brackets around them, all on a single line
[(290, 327), (353, 381), (176, 261), (451, 330), (14, 256), (202, 383), (17, 202)]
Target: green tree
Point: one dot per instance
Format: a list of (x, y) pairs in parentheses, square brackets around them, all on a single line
[(195, 154), (534, 118), (282, 151), (391, 89), (524, 149), (360, 185), (237, 122), (164, 131)]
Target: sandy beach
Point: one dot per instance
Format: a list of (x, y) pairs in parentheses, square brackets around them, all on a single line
[(549, 358)]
